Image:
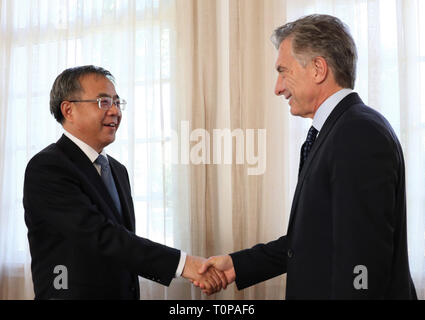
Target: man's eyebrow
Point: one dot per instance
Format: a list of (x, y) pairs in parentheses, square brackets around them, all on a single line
[(101, 95)]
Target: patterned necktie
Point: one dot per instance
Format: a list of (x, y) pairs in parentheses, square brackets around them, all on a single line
[(308, 144), (108, 180)]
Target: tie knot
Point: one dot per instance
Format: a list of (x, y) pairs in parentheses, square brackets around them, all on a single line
[(312, 133), (102, 161)]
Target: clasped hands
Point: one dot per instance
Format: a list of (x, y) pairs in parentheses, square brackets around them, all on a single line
[(211, 275)]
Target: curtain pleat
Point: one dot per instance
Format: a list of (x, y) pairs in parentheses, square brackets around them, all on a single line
[(188, 68)]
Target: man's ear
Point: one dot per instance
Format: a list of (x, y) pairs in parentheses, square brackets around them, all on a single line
[(67, 110), (320, 69)]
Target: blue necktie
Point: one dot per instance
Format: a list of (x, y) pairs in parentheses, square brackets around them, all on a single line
[(308, 144), (108, 180)]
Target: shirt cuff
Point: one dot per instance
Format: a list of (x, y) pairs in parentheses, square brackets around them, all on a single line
[(182, 262)]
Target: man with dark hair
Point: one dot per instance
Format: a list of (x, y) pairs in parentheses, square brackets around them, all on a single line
[(347, 235), (78, 206)]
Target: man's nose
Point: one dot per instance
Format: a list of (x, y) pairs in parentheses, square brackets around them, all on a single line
[(279, 88), (114, 109)]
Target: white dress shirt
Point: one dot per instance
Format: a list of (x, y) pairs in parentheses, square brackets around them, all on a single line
[(327, 107), (92, 155)]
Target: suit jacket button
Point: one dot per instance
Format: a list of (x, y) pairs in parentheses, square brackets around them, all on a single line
[(290, 253)]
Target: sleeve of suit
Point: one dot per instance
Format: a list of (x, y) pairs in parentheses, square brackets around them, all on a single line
[(260, 263), (56, 197), (364, 173)]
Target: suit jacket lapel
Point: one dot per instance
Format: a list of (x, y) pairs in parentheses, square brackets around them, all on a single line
[(341, 107), (86, 166)]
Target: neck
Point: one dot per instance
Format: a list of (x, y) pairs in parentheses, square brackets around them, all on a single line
[(324, 94), (76, 134)]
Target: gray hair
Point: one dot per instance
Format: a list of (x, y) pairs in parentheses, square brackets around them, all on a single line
[(67, 84), (325, 36)]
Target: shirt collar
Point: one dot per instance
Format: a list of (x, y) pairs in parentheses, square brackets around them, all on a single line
[(327, 107), (88, 151)]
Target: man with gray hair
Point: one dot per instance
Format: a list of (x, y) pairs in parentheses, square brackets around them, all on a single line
[(347, 235), (78, 205)]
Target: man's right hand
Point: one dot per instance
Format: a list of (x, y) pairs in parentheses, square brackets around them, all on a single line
[(221, 263)]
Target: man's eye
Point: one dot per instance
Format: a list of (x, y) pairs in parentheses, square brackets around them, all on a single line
[(104, 102)]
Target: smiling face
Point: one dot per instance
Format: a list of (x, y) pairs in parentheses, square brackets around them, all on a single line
[(85, 120), (295, 82)]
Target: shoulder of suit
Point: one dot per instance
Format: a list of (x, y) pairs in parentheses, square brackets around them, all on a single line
[(361, 113), (52, 152), (365, 125), (47, 160)]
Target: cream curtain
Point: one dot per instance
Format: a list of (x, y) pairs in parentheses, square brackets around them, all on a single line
[(198, 64), (135, 40), (226, 63)]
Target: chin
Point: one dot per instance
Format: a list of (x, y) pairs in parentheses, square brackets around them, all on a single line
[(112, 139), (108, 141), (294, 111)]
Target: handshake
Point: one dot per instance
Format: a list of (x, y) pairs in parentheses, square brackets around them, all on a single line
[(211, 275)]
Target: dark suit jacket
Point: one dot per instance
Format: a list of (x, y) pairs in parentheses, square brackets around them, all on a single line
[(72, 221), (349, 209)]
